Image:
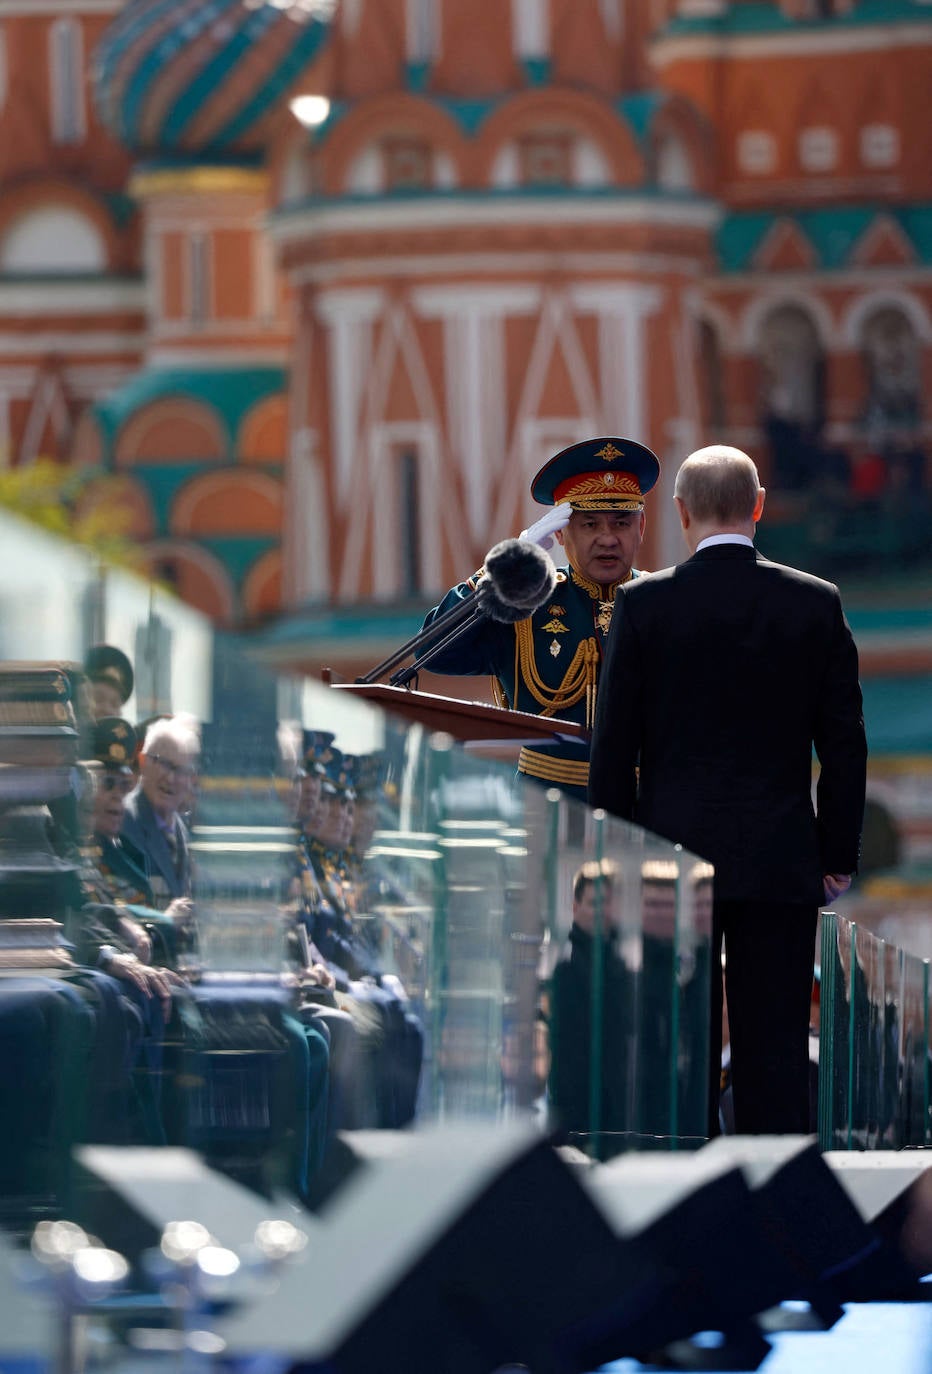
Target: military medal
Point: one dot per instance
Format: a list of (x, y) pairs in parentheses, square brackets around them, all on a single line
[(604, 617)]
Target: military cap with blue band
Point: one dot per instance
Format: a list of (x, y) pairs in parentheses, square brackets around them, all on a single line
[(598, 474), (114, 743), (106, 663), (316, 751)]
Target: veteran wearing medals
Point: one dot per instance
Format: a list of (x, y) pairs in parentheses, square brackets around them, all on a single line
[(548, 664)]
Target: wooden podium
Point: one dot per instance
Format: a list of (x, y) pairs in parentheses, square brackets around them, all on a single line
[(470, 722)]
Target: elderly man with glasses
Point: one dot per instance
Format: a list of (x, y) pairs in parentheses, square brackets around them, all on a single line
[(152, 820)]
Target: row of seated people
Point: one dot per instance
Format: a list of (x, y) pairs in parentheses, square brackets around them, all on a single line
[(331, 1045)]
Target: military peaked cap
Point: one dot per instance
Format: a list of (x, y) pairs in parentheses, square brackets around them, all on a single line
[(598, 474), (114, 743), (106, 663)]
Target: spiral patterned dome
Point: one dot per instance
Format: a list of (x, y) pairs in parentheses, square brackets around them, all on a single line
[(195, 77)]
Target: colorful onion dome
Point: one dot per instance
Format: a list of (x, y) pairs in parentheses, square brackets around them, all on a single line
[(195, 77)]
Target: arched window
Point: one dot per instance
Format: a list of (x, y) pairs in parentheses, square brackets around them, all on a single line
[(791, 396), (674, 166), (423, 31), (891, 355), (66, 81), (55, 240), (530, 28), (711, 390)]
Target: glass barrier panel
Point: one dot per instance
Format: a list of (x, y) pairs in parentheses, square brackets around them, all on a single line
[(913, 1124), (874, 1047)]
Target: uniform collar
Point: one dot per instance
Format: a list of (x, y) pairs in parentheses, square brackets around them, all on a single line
[(599, 591)]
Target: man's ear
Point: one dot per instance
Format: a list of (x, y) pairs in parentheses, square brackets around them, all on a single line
[(558, 536), (759, 505), (682, 512)]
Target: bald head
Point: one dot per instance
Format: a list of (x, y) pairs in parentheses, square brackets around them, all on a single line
[(718, 491)]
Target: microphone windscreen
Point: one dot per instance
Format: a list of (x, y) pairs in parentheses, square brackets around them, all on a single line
[(493, 607), (521, 573)]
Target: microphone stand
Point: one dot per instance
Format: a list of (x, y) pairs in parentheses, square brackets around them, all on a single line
[(445, 628), (402, 678)]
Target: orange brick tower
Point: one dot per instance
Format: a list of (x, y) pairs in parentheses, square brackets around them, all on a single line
[(199, 435), (326, 360), (72, 303)]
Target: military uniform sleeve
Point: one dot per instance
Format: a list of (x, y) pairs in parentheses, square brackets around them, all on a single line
[(479, 650)]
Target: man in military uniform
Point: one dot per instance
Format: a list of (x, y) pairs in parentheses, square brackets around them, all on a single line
[(549, 663), (110, 674), (392, 1037), (113, 873)]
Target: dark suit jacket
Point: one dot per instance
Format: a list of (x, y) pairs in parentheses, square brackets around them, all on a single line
[(142, 830), (720, 676)]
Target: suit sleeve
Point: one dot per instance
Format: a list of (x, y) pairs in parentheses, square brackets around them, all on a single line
[(616, 736), (841, 746)]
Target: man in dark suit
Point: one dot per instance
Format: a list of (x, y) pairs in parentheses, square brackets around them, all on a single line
[(720, 676), (152, 823)]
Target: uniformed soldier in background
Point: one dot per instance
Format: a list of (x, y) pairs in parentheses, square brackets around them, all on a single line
[(548, 664), (110, 674)]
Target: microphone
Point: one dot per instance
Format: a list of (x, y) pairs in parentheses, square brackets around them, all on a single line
[(519, 577)]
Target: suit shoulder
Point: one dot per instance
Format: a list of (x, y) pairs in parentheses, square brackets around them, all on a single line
[(817, 585), (648, 583)]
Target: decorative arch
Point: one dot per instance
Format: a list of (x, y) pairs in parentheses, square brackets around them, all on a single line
[(398, 114), (196, 576), (677, 123), (262, 589), (263, 433), (174, 429), (852, 324), (123, 502), (576, 111), (45, 206), (751, 322), (230, 502), (791, 358)]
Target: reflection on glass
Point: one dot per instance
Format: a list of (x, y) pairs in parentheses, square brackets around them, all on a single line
[(875, 1052), (246, 933)]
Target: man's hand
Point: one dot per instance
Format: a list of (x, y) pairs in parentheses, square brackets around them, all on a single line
[(834, 884), (181, 911), (135, 935), (319, 976), (151, 982), (542, 530)]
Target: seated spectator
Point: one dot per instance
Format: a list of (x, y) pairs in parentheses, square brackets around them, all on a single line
[(153, 823)]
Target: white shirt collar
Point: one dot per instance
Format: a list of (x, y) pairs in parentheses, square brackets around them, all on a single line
[(724, 539)]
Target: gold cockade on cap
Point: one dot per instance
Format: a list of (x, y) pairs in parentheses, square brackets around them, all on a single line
[(608, 451)]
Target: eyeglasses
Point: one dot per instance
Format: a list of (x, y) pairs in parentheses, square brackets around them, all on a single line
[(116, 782), (176, 770)]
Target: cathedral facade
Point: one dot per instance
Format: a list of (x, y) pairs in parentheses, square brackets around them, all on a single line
[(324, 358)]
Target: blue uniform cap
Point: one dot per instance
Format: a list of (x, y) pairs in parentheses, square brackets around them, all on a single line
[(598, 474)]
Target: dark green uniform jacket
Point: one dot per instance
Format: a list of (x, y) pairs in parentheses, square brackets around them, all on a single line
[(547, 665)]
